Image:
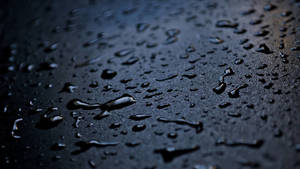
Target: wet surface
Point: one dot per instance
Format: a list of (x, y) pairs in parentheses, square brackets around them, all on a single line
[(150, 84)]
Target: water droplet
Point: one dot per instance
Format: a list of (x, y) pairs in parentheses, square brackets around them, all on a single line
[(133, 144), (108, 74), (47, 122), (51, 48), (79, 104), (69, 87), (197, 125), (238, 61), (286, 13), (189, 76), (138, 127), (248, 12), (215, 40), (172, 32), (141, 27), (167, 78), (88, 62), (220, 89), (269, 7), (224, 105), (15, 128), (172, 135), (235, 93), (84, 146), (124, 52), (120, 102), (234, 114), (228, 72), (138, 117), (248, 46), (48, 66), (132, 60), (58, 146), (190, 49), (239, 30), (261, 33), (226, 24), (247, 143), (263, 48), (115, 125), (170, 153), (170, 40), (92, 163), (255, 22)]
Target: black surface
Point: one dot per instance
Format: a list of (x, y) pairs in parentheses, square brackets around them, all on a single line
[(55, 51)]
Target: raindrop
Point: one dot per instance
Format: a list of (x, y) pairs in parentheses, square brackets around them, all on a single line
[(133, 144), (138, 117), (15, 128), (115, 125), (170, 40), (51, 48), (172, 135), (79, 104), (102, 115), (239, 30), (88, 62), (263, 48), (235, 93), (68, 87), (269, 7), (124, 52), (172, 32), (118, 103), (169, 153), (248, 12), (234, 114), (84, 146), (220, 89), (138, 127), (224, 105), (247, 143), (47, 122), (228, 72), (108, 74), (226, 24), (141, 27), (132, 60), (248, 46), (197, 125), (190, 49), (58, 146), (47, 66), (215, 40), (167, 78), (261, 33)]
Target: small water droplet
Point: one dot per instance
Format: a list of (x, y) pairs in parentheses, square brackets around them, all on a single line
[(141, 27), (215, 40), (84, 146), (263, 48), (124, 52), (15, 128), (138, 117), (170, 153), (220, 89), (108, 74), (138, 127), (226, 24)]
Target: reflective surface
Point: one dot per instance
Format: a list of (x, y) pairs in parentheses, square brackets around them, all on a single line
[(150, 84)]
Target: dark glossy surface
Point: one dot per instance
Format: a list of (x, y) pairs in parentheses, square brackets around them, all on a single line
[(150, 84)]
